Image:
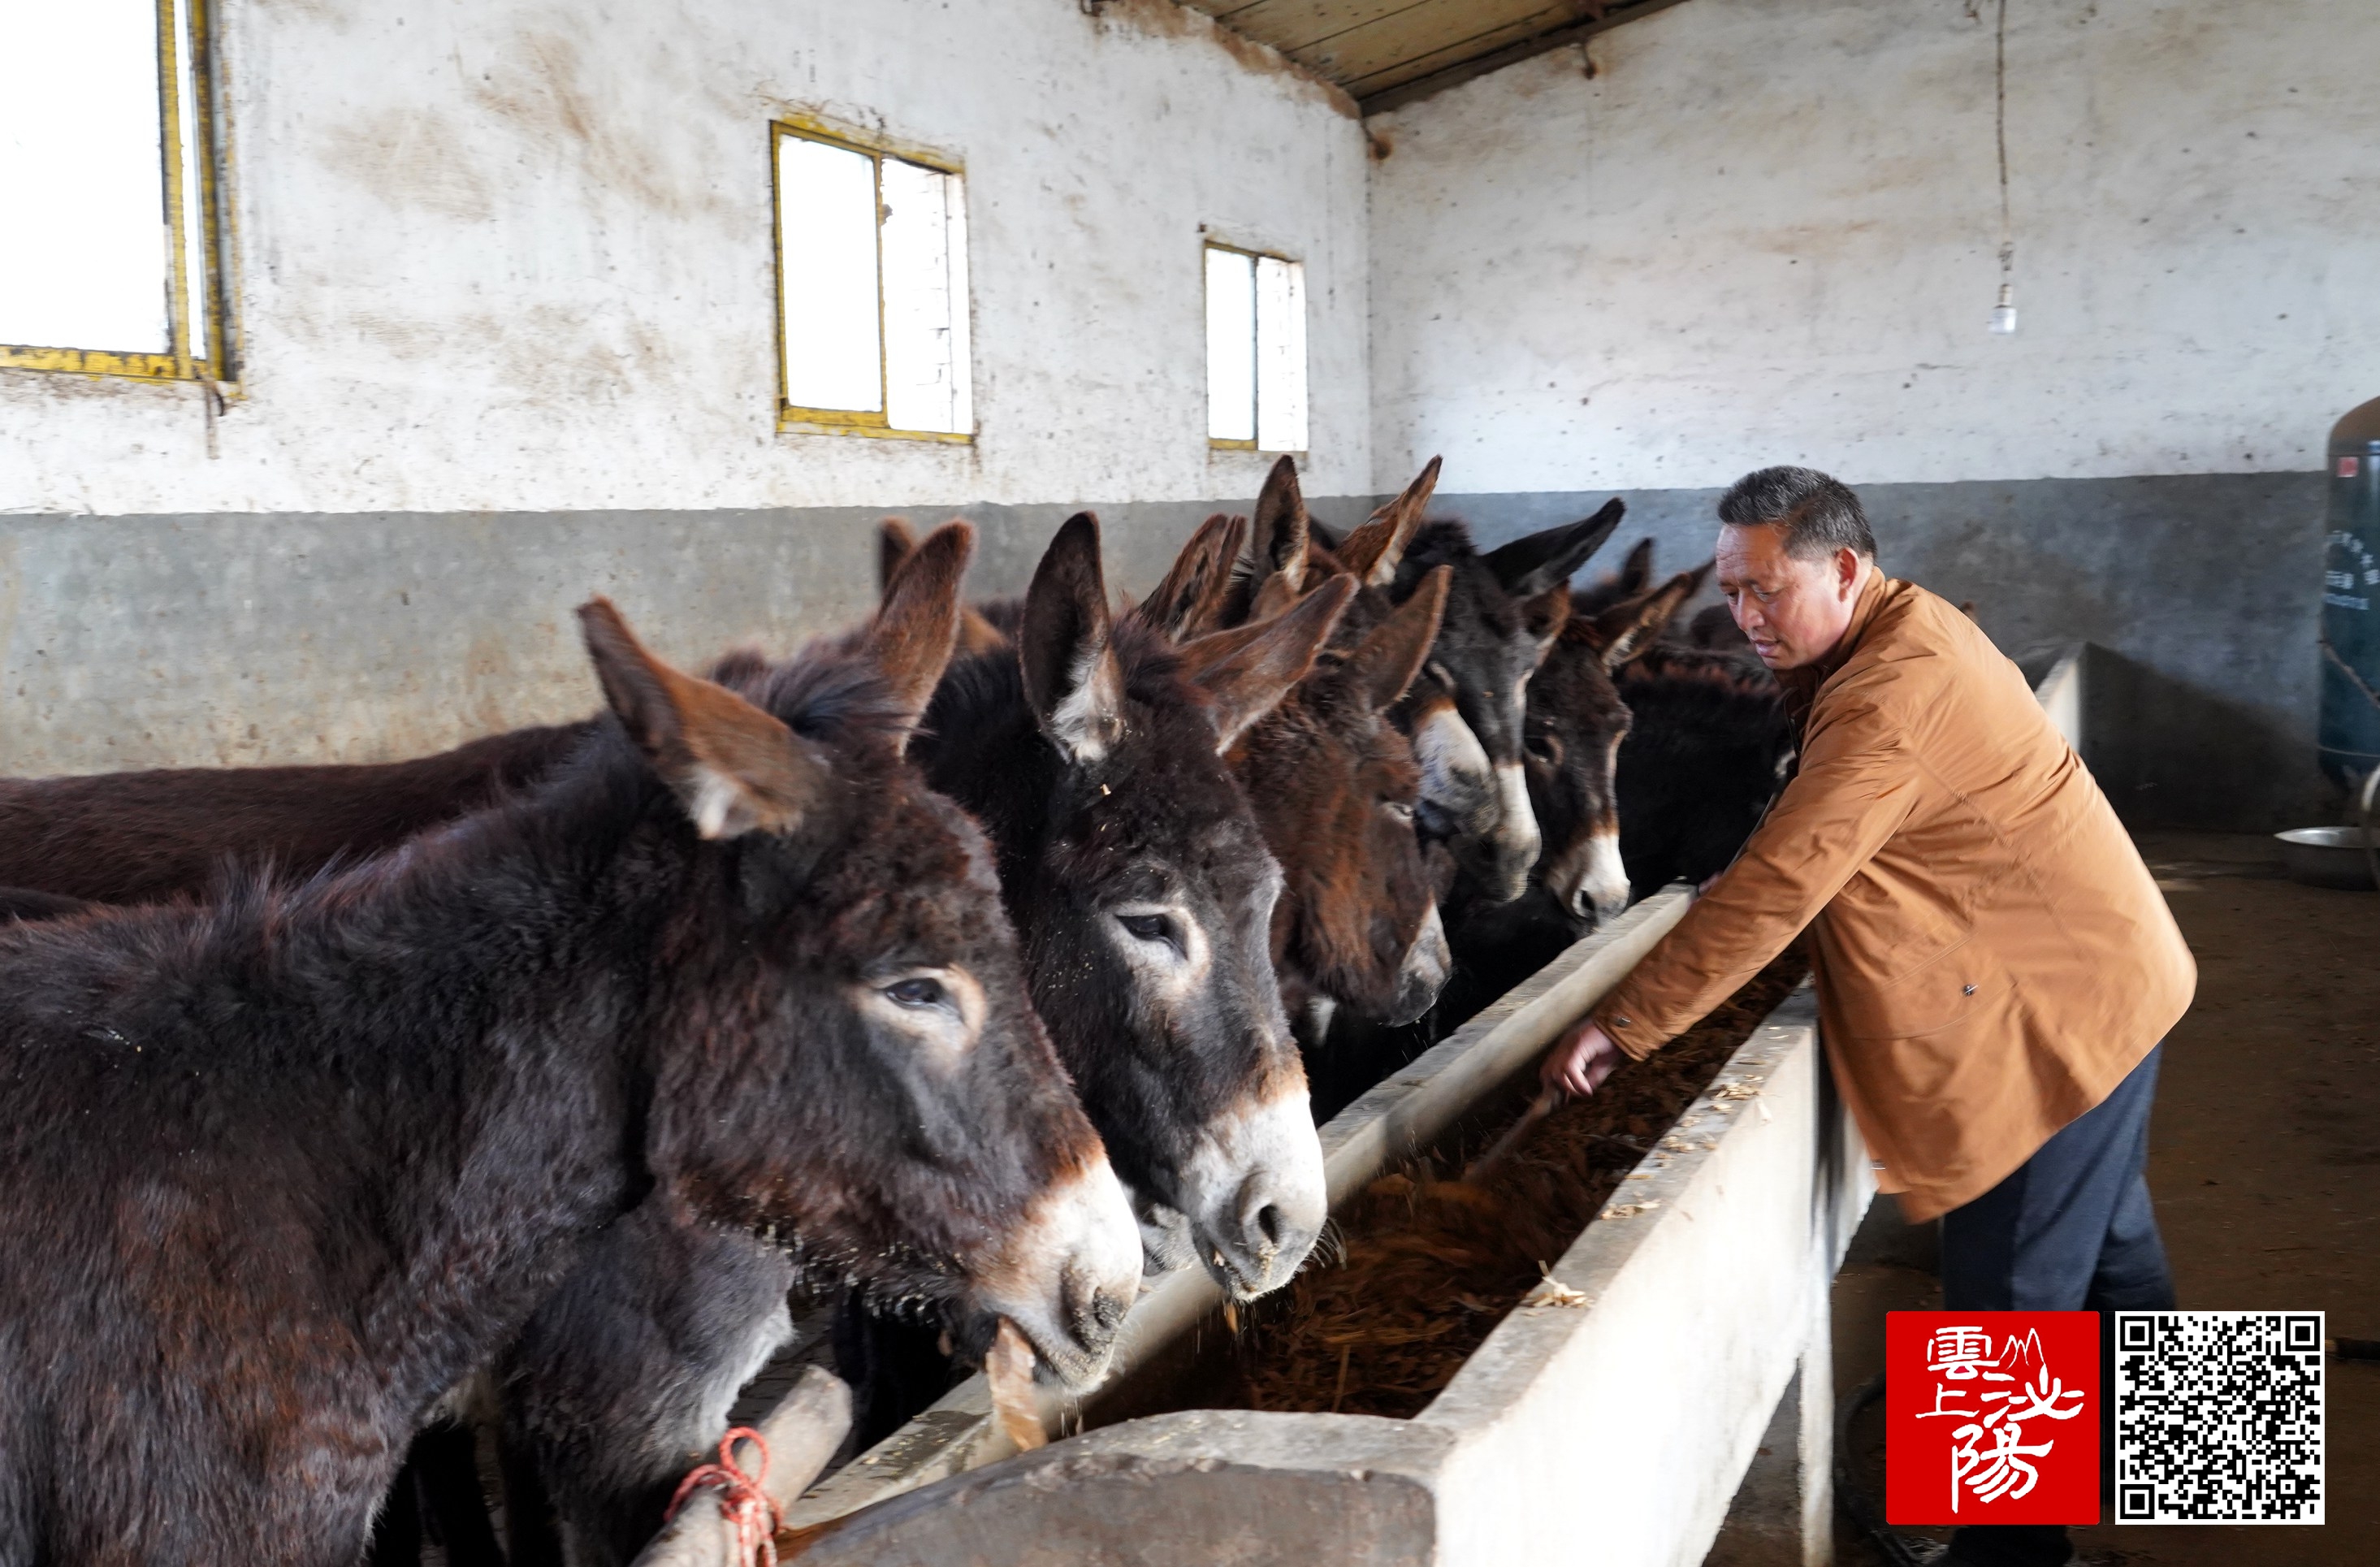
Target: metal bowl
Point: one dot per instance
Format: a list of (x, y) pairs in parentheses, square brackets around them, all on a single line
[(2327, 856)]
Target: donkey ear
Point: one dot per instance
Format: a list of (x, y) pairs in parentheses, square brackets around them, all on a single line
[(1276, 597), (917, 623), (1197, 580), (1279, 540), (1546, 614), (1528, 566), (735, 769), (1247, 669), (1385, 662), (1627, 628), (894, 543), (1636, 571), (1065, 648), (1373, 551)]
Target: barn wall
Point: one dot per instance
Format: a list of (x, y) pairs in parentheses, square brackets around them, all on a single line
[(507, 307), (1766, 231)]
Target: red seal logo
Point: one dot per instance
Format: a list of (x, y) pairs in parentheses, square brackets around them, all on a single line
[(1991, 1417)]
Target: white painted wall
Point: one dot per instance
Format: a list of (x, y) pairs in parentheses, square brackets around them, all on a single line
[(1768, 231), (515, 255)]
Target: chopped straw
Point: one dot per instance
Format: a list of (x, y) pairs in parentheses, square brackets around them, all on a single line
[(1432, 1264), (1009, 1371)]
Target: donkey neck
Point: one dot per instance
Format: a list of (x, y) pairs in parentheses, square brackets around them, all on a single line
[(431, 1063)]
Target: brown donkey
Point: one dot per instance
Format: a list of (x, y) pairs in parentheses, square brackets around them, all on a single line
[(145, 837), (1091, 749), (1335, 786), (282, 1170)]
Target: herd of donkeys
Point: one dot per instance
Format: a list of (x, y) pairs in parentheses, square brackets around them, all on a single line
[(965, 966)]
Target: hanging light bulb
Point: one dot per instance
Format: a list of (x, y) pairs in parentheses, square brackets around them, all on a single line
[(2004, 313)]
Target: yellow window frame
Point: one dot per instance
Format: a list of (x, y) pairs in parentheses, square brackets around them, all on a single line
[(1255, 390), (213, 293), (795, 418)]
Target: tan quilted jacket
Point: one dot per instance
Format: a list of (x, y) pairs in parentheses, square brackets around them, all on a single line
[(1991, 955)]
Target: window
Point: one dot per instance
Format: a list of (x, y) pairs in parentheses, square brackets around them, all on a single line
[(108, 174), (872, 290), (1256, 351)]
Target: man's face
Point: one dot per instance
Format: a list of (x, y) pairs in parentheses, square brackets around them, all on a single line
[(1794, 610)]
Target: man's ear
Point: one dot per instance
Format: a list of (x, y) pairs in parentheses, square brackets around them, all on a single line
[(917, 623), (1247, 669), (1065, 649), (735, 769), (1374, 550)]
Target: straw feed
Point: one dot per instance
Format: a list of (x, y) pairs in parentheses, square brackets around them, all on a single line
[(1431, 1263)]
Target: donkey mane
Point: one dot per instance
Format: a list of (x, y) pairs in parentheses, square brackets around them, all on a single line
[(1448, 543)]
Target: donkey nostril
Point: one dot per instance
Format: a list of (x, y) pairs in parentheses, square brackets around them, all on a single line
[(1273, 1225)]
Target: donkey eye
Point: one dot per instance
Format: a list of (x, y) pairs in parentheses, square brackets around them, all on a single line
[(1546, 748), (918, 992), (1149, 928)]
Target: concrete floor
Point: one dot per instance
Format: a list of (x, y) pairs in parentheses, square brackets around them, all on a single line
[(2265, 1165)]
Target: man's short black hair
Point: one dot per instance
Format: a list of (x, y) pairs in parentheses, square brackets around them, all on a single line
[(1820, 514)]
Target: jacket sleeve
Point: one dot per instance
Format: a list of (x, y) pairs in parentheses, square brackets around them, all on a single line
[(1856, 785)]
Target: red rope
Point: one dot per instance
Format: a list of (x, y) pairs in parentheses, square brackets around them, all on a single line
[(742, 1502)]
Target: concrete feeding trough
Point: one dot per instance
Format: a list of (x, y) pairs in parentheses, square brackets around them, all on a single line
[(1687, 1325), (1636, 1404)]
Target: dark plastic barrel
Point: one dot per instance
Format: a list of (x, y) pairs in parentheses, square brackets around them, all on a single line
[(2349, 732)]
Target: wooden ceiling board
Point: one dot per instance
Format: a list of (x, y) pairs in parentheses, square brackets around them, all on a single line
[(1436, 33), (1389, 51)]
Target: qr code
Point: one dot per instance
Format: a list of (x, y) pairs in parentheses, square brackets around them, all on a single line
[(2218, 1416)]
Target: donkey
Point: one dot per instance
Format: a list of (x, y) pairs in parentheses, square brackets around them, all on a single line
[(1578, 724), (1334, 787), (622, 1379), (1709, 745), (1710, 748), (282, 1170), (1142, 892), (144, 837), (1466, 710), (1578, 735)]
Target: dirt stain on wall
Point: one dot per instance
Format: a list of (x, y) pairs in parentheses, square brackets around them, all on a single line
[(410, 158)]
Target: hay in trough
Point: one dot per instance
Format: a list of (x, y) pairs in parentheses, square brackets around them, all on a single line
[(1431, 1263)]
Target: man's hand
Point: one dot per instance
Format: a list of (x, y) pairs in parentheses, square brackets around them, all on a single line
[(1581, 1061)]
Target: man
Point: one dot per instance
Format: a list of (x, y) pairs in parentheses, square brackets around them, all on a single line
[(1996, 967)]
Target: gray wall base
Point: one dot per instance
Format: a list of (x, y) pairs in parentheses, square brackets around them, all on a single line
[(2204, 594), (237, 639)]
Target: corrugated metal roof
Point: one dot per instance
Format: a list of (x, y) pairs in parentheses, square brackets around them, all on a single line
[(1389, 51)]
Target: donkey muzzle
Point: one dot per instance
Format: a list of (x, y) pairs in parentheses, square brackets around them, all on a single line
[(1588, 880), (1255, 1193), (1068, 1273)]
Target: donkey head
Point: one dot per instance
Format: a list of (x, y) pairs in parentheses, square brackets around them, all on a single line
[(1503, 613), (1334, 783), (1576, 721), (843, 1054), (1142, 887)]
